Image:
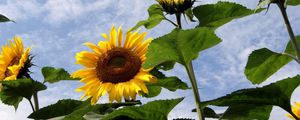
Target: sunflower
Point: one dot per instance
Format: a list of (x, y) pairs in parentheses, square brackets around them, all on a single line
[(114, 67), (176, 6), (13, 58), (295, 110)]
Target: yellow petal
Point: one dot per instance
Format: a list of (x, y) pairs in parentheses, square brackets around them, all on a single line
[(120, 35), (113, 34), (94, 47)]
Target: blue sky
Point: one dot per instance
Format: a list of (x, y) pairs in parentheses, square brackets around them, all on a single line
[(56, 30)]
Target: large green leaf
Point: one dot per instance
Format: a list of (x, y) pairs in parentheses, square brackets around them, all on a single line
[(263, 63), (247, 112), (74, 109), (277, 94), (4, 18), (155, 17), (13, 90), (180, 46), (155, 110), (80, 111), (53, 75), (216, 15)]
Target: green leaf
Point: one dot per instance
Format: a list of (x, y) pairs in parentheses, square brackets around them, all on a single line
[(180, 46), (209, 113), (153, 91), (293, 2), (80, 111), (61, 108), (247, 112), (9, 99), (155, 110), (4, 18), (155, 17), (277, 94), (53, 75), (13, 90), (216, 15), (74, 109), (170, 83), (263, 3), (263, 63)]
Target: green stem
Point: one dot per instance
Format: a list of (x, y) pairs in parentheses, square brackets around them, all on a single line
[(190, 71), (289, 29), (178, 18), (35, 95), (36, 101)]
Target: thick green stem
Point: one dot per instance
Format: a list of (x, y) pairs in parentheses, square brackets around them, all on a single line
[(178, 18), (35, 95), (36, 101), (289, 29), (190, 71)]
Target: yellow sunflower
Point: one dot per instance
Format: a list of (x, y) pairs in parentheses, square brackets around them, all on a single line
[(114, 67), (295, 110), (12, 59)]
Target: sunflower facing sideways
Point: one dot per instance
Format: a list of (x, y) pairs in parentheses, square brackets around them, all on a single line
[(114, 67), (14, 60)]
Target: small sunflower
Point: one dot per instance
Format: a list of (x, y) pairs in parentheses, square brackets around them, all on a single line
[(114, 67), (176, 6), (295, 110), (13, 59)]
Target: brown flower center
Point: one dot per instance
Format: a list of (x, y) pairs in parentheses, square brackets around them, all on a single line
[(14, 61), (118, 65)]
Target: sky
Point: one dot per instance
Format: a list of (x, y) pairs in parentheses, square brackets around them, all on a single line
[(57, 29)]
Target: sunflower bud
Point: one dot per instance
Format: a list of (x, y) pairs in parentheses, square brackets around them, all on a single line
[(176, 6)]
